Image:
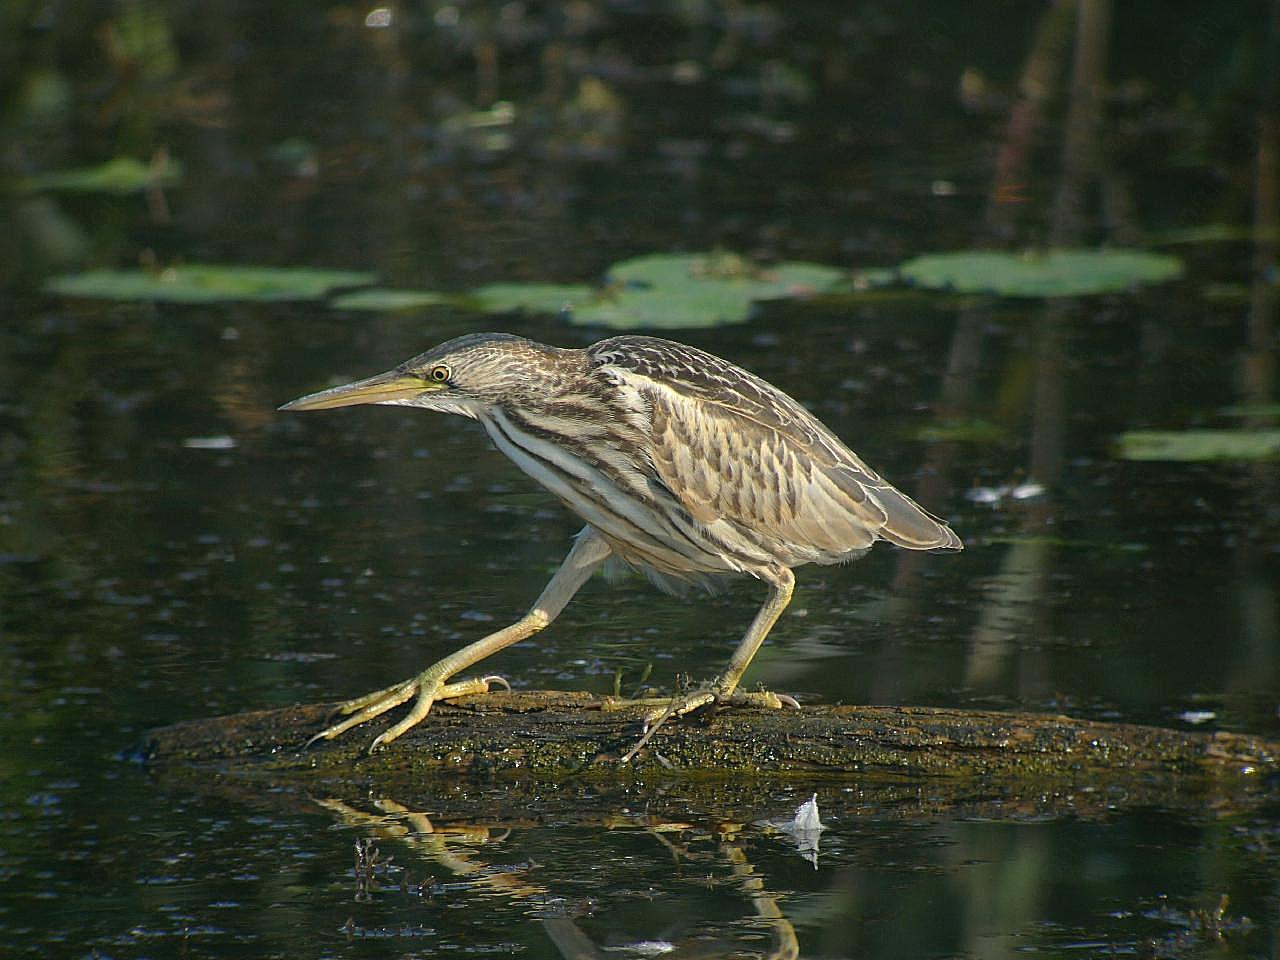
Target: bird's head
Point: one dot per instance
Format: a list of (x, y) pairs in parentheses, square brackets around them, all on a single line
[(466, 375)]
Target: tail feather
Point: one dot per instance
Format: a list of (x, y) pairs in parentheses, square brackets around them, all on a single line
[(897, 518), (911, 526)]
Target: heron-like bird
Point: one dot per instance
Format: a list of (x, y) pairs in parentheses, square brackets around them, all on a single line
[(682, 464)]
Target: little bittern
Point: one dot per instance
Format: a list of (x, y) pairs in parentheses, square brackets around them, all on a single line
[(682, 465)]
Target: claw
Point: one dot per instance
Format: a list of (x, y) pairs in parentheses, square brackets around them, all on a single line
[(763, 698), (366, 708), (427, 686), (698, 700)]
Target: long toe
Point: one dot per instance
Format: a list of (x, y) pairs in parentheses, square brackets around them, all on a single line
[(430, 689), (366, 708), (388, 695), (680, 706), (421, 707), (707, 696), (427, 686), (470, 686), (762, 698)]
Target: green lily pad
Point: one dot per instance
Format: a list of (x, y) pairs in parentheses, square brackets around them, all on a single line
[(206, 283), (1252, 410), (962, 431), (1216, 233), (1113, 546), (1227, 293), (531, 297), (1195, 445), (672, 291), (1055, 273), (385, 298), (121, 176)]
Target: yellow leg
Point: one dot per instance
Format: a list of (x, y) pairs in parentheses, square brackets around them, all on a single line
[(780, 590), (588, 554), (724, 689)]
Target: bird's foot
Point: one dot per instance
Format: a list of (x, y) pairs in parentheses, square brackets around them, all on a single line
[(710, 696), (762, 698), (699, 699), (427, 686)]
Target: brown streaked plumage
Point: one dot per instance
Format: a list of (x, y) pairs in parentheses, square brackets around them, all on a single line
[(682, 465)]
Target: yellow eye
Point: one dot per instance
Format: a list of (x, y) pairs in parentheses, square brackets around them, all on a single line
[(440, 373)]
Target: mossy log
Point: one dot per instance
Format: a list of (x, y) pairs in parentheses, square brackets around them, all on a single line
[(543, 744)]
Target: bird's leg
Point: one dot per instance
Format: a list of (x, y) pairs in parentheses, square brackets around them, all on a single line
[(586, 557), (724, 689)]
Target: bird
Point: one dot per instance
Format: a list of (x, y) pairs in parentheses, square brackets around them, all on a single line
[(682, 465)]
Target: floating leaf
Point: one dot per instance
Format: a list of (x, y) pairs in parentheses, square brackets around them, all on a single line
[(1216, 233), (1192, 445), (221, 442), (697, 290), (962, 431), (531, 297), (1106, 546), (384, 298), (1252, 410), (123, 175), (205, 283), (1055, 273), (1227, 293)]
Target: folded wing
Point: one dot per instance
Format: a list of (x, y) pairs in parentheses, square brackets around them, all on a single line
[(739, 454)]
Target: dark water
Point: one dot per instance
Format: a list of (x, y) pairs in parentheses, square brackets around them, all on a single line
[(147, 578)]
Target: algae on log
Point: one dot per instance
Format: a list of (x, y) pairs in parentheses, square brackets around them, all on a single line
[(548, 737)]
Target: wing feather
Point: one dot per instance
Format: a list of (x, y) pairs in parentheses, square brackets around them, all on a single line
[(748, 462)]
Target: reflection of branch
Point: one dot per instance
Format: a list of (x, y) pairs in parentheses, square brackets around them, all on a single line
[(1080, 162), (964, 356), (1080, 154), (1039, 76), (1255, 591), (1259, 373), (1029, 563), (1010, 609)]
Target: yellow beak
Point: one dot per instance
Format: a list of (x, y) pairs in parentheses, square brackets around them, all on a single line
[(383, 388)]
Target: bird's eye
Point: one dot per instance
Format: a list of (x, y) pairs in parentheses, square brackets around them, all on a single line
[(440, 373)]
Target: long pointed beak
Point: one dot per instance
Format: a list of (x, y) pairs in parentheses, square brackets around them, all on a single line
[(383, 388)]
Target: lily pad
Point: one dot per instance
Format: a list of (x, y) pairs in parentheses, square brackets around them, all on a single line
[(1054, 273), (672, 291), (1252, 410), (1196, 445), (121, 176), (1227, 293), (385, 298), (1216, 233), (207, 283), (531, 297), (962, 431), (1111, 546)]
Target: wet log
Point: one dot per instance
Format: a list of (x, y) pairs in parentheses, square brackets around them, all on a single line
[(540, 744)]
